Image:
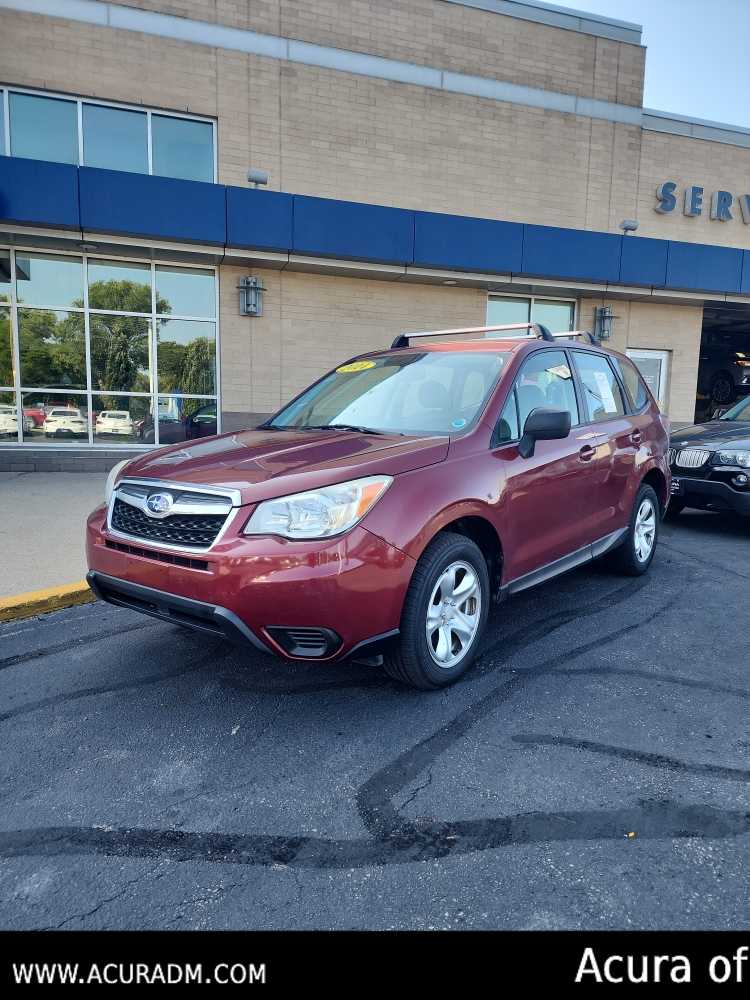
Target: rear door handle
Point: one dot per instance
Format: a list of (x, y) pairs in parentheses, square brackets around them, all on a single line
[(636, 437), (586, 453)]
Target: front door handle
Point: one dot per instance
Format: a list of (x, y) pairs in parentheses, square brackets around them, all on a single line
[(636, 437), (586, 453)]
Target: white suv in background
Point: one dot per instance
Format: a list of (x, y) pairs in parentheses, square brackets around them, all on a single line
[(8, 421), (67, 422), (116, 422)]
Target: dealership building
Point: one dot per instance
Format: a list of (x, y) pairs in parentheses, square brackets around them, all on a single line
[(428, 164)]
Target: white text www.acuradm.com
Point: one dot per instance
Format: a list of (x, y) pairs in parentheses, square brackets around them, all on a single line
[(137, 973)]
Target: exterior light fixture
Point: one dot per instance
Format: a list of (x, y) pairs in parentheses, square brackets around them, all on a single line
[(629, 226), (251, 296), (257, 177), (603, 321)]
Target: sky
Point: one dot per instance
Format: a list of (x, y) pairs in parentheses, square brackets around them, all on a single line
[(697, 61)]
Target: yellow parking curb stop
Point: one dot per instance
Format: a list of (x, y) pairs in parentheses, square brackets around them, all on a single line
[(38, 602)]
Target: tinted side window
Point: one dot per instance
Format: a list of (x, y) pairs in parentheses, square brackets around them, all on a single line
[(600, 387), (507, 424), (632, 381), (546, 380)]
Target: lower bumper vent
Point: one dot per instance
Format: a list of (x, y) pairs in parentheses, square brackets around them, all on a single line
[(310, 643)]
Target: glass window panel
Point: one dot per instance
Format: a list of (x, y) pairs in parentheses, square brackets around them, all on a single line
[(120, 419), (119, 286), (187, 357), (53, 354), (120, 353), (556, 316), (115, 139), (501, 311), (6, 349), (43, 128), (182, 291), (4, 275), (8, 417), (507, 425), (633, 381), (58, 418), (600, 387), (43, 280), (182, 148), (546, 380), (183, 419)]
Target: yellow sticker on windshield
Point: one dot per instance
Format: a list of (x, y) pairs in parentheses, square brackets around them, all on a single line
[(356, 366)]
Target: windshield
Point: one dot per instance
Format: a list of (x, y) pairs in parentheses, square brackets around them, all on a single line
[(410, 393), (740, 411)]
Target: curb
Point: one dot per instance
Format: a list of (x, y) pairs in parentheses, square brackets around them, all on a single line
[(38, 602)]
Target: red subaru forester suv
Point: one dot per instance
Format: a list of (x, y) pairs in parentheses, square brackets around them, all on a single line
[(382, 512)]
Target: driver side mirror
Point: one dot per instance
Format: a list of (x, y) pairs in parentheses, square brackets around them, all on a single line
[(543, 424)]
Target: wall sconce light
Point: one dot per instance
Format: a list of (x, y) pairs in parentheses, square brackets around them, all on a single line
[(603, 321), (251, 296)]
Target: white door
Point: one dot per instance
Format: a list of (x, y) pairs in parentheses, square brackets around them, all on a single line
[(654, 367)]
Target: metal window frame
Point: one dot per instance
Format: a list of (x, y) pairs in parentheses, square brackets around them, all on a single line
[(154, 395), (532, 298), (8, 88)]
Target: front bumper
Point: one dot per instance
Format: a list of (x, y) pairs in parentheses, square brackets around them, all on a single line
[(197, 615), (708, 494), (259, 589)]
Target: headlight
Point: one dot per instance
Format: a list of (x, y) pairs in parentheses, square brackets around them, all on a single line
[(319, 513), (741, 458), (113, 474)]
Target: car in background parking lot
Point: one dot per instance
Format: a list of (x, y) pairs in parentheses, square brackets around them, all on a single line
[(710, 464), (67, 422), (114, 422)]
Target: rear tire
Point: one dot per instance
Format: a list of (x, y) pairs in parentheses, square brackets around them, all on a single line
[(444, 616), (634, 556), (722, 389)]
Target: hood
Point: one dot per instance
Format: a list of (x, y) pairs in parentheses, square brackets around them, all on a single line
[(713, 434), (262, 464)]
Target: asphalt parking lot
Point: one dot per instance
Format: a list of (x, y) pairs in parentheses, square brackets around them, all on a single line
[(592, 771)]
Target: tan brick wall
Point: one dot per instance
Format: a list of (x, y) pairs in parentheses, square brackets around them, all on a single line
[(446, 35), (311, 323), (661, 327), (713, 166)]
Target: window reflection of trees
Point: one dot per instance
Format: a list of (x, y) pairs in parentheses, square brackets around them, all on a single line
[(53, 347)]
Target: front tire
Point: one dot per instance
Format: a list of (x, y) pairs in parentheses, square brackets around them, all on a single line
[(445, 614), (635, 554)]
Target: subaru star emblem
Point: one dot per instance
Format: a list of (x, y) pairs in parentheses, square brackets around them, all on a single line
[(159, 503)]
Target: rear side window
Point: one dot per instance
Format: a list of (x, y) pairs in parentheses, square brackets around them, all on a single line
[(601, 390), (632, 381)]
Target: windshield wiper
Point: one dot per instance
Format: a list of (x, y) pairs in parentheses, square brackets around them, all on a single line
[(339, 427)]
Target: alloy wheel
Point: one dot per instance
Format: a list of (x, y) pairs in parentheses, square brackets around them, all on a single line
[(453, 614), (645, 530)]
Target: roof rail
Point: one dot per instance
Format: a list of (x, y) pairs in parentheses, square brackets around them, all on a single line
[(538, 329), (586, 335)]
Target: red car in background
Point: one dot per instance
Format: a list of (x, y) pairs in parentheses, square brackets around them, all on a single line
[(383, 512), (36, 413)]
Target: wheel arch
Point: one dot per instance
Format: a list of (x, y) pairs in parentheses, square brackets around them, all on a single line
[(471, 521), (656, 479)]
